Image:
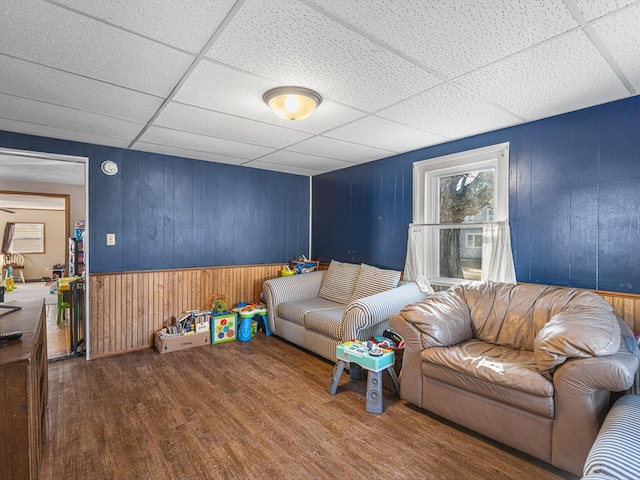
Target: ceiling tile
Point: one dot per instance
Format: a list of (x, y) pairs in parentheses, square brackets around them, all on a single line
[(455, 37), (291, 43), (227, 90), (186, 153), (25, 79), (184, 24), (382, 133), (32, 111), (61, 133), (303, 160), (202, 143), (220, 125), (559, 76), (592, 9), (53, 36), (620, 33), (274, 167), (332, 148), (451, 112)]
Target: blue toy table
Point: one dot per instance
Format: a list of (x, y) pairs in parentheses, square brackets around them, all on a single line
[(246, 316), (354, 352)]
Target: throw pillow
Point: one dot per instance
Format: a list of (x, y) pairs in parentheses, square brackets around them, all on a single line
[(339, 281), (374, 280), (576, 332)]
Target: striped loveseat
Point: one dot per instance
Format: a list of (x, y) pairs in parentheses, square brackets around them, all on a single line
[(319, 310), (616, 451)]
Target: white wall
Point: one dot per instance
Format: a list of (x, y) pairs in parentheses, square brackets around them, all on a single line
[(38, 265)]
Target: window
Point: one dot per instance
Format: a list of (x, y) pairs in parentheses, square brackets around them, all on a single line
[(474, 240), (453, 196), (28, 238)]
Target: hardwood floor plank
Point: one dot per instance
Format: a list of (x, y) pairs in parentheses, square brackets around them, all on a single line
[(245, 410)]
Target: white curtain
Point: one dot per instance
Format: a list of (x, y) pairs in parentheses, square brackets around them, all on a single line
[(414, 268), (497, 258)]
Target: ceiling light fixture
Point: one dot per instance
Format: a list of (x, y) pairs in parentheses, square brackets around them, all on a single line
[(292, 103)]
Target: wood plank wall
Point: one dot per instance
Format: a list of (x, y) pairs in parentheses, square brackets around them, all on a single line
[(626, 306), (127, 308)]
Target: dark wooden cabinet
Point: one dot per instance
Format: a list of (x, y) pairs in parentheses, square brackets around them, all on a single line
[(23, 392)]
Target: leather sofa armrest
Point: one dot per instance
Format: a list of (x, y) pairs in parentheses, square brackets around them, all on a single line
[(442, 318), (290, 289), (582, 387), (373, 312), (411, 374)]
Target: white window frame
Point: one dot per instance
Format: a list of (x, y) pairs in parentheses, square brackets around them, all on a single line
[(426, 174), (28, 237), (472, 235)]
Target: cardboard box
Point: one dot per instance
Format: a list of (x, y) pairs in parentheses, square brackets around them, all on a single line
[(182, 342), (224, 327)]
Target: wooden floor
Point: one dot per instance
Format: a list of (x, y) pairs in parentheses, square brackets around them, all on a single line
[(255, 410), (58, 335)]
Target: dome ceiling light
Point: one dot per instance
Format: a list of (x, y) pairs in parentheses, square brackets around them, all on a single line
[(292, 103)]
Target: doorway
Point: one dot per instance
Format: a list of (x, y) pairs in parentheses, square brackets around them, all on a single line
[(50, 191)]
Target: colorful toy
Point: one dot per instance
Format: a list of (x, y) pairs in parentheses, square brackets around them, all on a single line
[(223, 327), (247, 311), (217, 302)]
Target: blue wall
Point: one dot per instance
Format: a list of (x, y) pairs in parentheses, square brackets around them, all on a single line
[(574, 200), (170, 212)]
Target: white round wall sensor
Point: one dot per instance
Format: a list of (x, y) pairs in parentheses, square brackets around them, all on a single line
[(109, 167)]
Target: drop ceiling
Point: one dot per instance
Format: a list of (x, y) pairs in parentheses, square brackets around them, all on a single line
[(186, 77)]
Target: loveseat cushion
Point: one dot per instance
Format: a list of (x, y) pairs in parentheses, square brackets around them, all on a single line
[(327, 322), (339, 282), (296, 311), (512, 315), (542, 406), (576, 332), (494, 365), (442, 318), (372, 280)]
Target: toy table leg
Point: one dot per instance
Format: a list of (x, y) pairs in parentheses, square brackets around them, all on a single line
[(374, 392), (395, 385), (266, 325), (332, 386)]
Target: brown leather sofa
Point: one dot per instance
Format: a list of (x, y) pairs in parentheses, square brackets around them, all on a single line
[(530, 366)]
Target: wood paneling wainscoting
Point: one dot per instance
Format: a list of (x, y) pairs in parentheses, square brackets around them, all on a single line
[(626, 306), (127, 308)]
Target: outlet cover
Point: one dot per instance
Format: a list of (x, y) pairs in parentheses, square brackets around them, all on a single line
[(111, 239)]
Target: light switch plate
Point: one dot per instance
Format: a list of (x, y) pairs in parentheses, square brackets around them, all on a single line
[(111, 239)]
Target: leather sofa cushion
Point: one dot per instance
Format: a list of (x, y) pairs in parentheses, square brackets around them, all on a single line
[(296, 311), (443, 320), (576, 332), (512, 315), (327, 322), (543, 406), (494, 364)]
